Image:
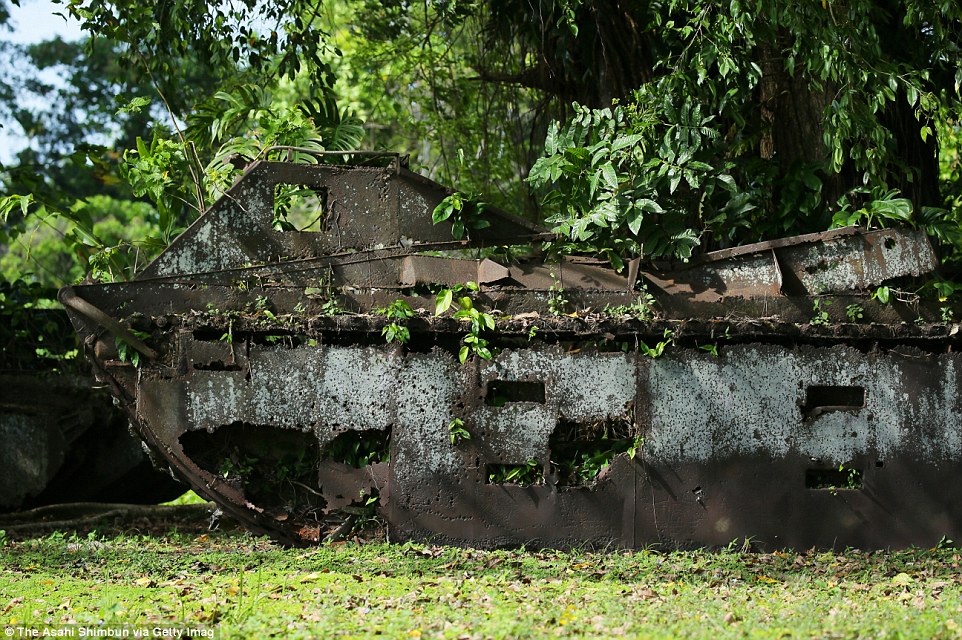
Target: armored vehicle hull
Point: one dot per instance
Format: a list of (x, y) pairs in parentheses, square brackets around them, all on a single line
[(753, 393)]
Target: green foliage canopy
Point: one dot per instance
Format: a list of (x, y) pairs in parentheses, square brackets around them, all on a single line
[(164, 104), (760, 119)]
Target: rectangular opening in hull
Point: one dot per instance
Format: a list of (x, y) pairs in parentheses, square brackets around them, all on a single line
[(833, 479), (501, 392), (821, 399), (300, 208), (522, 475)]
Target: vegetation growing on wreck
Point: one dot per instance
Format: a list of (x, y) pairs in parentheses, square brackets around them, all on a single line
[(276, 467), (277, 470), (580, 453)]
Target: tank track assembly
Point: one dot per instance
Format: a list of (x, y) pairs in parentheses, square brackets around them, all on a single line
[(756, 392)]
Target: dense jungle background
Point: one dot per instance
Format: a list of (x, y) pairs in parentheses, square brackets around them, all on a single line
[(657, 129)]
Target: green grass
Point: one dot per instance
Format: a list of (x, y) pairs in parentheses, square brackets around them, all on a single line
[(249, 587)]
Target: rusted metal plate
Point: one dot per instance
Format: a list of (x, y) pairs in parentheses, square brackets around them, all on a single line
[(838, 261), (364, 208), (569, 273), (859, 261), (428, 270), (754, 275), (735, 442)]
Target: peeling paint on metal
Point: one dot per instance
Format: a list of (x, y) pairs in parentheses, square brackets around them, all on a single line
[(748, 402), (335, 389), (517, 432), (428, 387)]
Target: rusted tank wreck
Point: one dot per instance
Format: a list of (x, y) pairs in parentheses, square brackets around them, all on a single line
[(756, 392)]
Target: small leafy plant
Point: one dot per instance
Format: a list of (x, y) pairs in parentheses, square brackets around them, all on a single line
[(480, 321), (946, 289), (398, 312), (523, 475), (882, 294), (445, 297), (853, 477), (262, 306), (125, 352), (821, 316), (844, 477), (331, 307), (464, 213), (329, 294), (592, 459), (359, 449), (659, 348), (457, 431), (884, 210), (854, 312), (641, 309), (557, 302), (228, 335), (237, 466), (579, 453)]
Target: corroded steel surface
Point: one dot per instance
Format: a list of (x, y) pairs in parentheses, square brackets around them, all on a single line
[(752, 422)]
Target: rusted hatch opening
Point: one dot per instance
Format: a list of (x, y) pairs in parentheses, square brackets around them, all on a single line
[(216, 365), (522, 475), (276, 339), (501, 392), (821, 399), (208, 335), (273, 466), (580, 452), (299, 207), (842, 477), (360, 448)]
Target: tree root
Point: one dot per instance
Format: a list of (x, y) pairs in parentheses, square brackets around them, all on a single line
[(342, 531), (79, 514)]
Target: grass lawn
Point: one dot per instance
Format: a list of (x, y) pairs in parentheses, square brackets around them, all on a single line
[(248, 587)]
